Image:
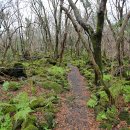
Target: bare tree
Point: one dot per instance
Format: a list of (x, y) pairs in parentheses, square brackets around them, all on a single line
[(94, 34)]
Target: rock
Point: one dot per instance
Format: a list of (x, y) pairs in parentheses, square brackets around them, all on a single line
[(39, 102), (51, 61), (16, 71), (52, 86)]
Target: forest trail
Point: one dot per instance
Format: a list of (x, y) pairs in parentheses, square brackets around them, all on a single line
[(73, 113)]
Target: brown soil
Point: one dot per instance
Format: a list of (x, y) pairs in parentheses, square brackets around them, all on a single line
[(74, 114)]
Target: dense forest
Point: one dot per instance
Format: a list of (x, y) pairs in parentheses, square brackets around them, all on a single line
[(64, 65)]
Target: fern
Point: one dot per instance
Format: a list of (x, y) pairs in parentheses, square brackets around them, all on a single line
[(6, 122), (5, 86), (92, 101), (88, 74), (2, 104), (126, 97), (126, 93), (112, 113), (101, 116), (126, 89), (10, 85), (79, 63), (103, 96), (21, 101), (22, 114), (107, 77), (116, 89)]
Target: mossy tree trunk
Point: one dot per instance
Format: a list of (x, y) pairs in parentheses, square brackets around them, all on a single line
[(92, 58), (97, 39), (95, 36), (97, 56), (57, 18)]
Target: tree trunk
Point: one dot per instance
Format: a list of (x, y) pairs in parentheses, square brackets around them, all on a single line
[(95, 36)]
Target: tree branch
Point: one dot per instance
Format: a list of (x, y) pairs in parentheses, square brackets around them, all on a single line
[(80, 20)]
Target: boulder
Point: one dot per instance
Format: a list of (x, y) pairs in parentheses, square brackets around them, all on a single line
[(17, 71)]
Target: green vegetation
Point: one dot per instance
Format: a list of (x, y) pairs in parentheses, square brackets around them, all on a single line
[(19, 111), (53, 86), (11, 86), (38, 49), (108, 114), (23, 108)]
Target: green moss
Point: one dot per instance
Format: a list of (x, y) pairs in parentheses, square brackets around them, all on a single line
[(30, 127), (31, 119), (39, 102), (79, 63), (57, 71), (52, 85), (9, 109)]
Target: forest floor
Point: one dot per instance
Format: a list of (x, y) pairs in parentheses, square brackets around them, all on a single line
[(74, 115), (57, 98)]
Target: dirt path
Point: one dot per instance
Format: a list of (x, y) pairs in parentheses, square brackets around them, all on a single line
[(73, 113)]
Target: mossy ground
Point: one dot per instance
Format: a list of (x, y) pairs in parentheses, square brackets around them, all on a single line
[(108, 114), (38, 106), (44, 86)]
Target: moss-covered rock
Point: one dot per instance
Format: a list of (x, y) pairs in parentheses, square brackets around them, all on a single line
[(18, 70), (39, 102), (30, 127), (52, 85), (56, 71), (51, 61)]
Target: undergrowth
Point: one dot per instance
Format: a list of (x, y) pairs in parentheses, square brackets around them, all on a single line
[(109, 115), (28, 112), (23, 108)]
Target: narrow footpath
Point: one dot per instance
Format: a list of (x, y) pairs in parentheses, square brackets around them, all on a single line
[(73, 113)]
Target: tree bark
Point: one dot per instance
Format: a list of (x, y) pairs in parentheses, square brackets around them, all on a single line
[(92, 59), (95, 37)]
